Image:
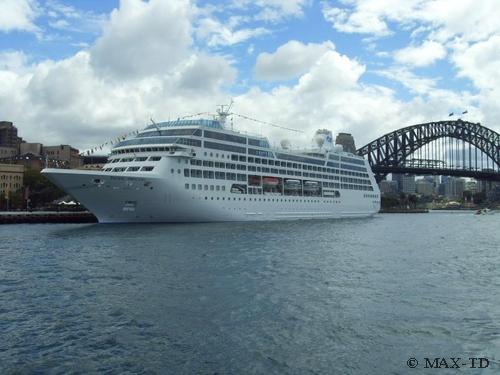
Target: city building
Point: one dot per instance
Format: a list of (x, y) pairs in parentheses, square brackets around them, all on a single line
[(454, 187), (471, 186), (346, 140), (11, 178), (8, 135), (7, 153), (35, 149), (68, 156), (406, 183), (388, 187), (424, 187)]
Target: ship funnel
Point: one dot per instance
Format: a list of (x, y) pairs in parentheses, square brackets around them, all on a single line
[(324, 139), (285, 144)]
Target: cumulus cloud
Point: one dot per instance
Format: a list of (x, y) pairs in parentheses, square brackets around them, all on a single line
[(18, 15), (423, 55), (290, 60), (144, 38), (94, 96)]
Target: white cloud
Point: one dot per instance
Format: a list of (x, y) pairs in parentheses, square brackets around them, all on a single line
[(290, 60), (423, 55), (481, 63), (445, 19), (218, 34), (144, 38), (18, 15), (355, 22), (80, 100)]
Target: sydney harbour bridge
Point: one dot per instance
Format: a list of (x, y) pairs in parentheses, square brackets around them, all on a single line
[(449, 148)]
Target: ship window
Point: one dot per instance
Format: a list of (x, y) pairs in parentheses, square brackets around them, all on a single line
[(199, 186), (132, 169), (211, 187), (186, 186), (147, 169), (186, 172), (156, 158), (193, 186), (206, 187), (178, 171), (217, 187), (172, 170), (223, 188), (243, 158)]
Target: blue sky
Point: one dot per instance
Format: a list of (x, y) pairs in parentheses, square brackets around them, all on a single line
[(82, 72)]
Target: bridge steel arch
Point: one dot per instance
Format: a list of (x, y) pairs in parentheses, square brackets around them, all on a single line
[(389, 153)]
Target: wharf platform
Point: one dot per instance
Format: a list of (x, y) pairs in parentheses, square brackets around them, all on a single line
[(46, 217)]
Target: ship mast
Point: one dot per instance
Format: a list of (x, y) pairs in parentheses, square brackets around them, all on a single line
[(223, 112)]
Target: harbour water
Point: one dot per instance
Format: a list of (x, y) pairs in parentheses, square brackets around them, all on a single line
[(318, 297)]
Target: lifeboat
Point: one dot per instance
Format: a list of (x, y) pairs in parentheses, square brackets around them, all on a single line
[(311, 186), (270, 181), (292, 184)]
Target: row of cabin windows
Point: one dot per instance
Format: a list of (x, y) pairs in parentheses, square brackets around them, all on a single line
[(352, 183), (205, 187), (283, 172), (129, 169), (140, 158), (197, 173), (375, 196), (253, 168)]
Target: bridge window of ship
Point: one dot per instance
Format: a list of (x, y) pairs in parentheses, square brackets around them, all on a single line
[(147, 169)]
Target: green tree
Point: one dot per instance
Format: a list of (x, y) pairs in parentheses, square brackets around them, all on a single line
[(41, 190)]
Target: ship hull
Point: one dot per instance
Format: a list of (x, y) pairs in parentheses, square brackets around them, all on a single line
[(128, 198)]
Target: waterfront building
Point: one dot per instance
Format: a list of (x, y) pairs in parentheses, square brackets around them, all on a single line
[(405, 182), (8, 135), (67, 155), (424, 187), (35, 149), (471, 186), (7, 153), (388, 187), (11, 178), (454, 187), (346, 140)]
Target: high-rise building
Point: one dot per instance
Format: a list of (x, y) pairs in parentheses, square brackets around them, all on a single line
[(424, 187), (347, 142), (454, 188), (408, 184), (388, 187), (8, 135)]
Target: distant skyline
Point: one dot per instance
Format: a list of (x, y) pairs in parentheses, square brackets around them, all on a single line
[(87, 71)]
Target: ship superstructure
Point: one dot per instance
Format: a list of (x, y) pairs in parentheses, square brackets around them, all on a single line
[(197, 170)]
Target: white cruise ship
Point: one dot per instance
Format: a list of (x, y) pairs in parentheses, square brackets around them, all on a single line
[(197, 170)]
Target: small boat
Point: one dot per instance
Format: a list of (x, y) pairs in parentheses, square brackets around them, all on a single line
[(484, 211)]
